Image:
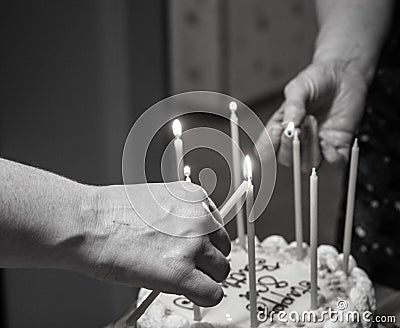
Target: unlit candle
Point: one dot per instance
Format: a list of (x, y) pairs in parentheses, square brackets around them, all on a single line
[(297, 195), (235, 146), (314, 238), (351, 194)]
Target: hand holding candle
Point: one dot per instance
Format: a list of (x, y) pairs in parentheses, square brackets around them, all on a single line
[(237, 195)]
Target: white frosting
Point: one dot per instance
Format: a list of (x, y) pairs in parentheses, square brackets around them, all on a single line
[(283, 285)]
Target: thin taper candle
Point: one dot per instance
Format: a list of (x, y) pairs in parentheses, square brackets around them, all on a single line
[(196, 313), (178, 144), (196, 308), (235, 145), (234, 199), (251, 251), (134, 317), (351, 194), (314, 238), (297, 195)]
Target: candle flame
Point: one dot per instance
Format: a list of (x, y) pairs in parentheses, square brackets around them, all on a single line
[(186, 171), (248, 172), (314, 172), (177, 128), (289, 131), (233, 106)]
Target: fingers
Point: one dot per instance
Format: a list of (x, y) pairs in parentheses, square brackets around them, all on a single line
[(329, 152), (213, 263), (337, 138), (335, 145), (220, 239), (274, 130), (311, 153), (215, 212), (201, 289), (296, 93)]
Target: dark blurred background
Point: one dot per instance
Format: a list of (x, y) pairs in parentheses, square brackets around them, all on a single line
[(75, 75)]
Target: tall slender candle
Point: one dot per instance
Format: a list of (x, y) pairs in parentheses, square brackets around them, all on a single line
[(178, 144), (196, 308), (314, 238), (297, 195), (251, 248), (235, 144), (351, 194)]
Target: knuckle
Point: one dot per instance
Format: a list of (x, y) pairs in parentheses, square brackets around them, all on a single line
[(288, 88), (182, 276)]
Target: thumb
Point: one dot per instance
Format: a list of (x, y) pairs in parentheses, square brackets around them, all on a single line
[(296, 94), (294, 110)]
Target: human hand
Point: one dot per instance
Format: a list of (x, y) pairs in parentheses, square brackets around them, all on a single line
[(334, 93), (128, 250)]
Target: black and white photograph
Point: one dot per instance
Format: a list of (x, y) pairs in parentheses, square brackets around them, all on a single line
[(200, 164)]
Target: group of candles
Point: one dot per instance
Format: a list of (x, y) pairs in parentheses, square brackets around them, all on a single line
[(242, 189), (246, 189), (291, 132)]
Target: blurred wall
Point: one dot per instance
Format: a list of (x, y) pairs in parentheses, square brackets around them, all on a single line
[(74, 76), (248, 49)]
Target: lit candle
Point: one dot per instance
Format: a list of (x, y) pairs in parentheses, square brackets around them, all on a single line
[(297, 195), (186, 173), (351, 194), (235, 144), (178, 143), (314, 238), (251, 248)]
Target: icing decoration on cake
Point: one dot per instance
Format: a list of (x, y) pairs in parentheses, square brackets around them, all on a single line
[(282, 285)]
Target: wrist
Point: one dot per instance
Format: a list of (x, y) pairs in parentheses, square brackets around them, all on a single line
[(81, 250)]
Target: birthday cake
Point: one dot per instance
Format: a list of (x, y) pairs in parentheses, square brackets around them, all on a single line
[(283, 288)]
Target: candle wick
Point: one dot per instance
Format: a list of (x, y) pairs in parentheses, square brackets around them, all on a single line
[(289, 130)]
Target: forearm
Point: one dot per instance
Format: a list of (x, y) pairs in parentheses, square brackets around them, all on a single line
[(352, 31), (45, 219)]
